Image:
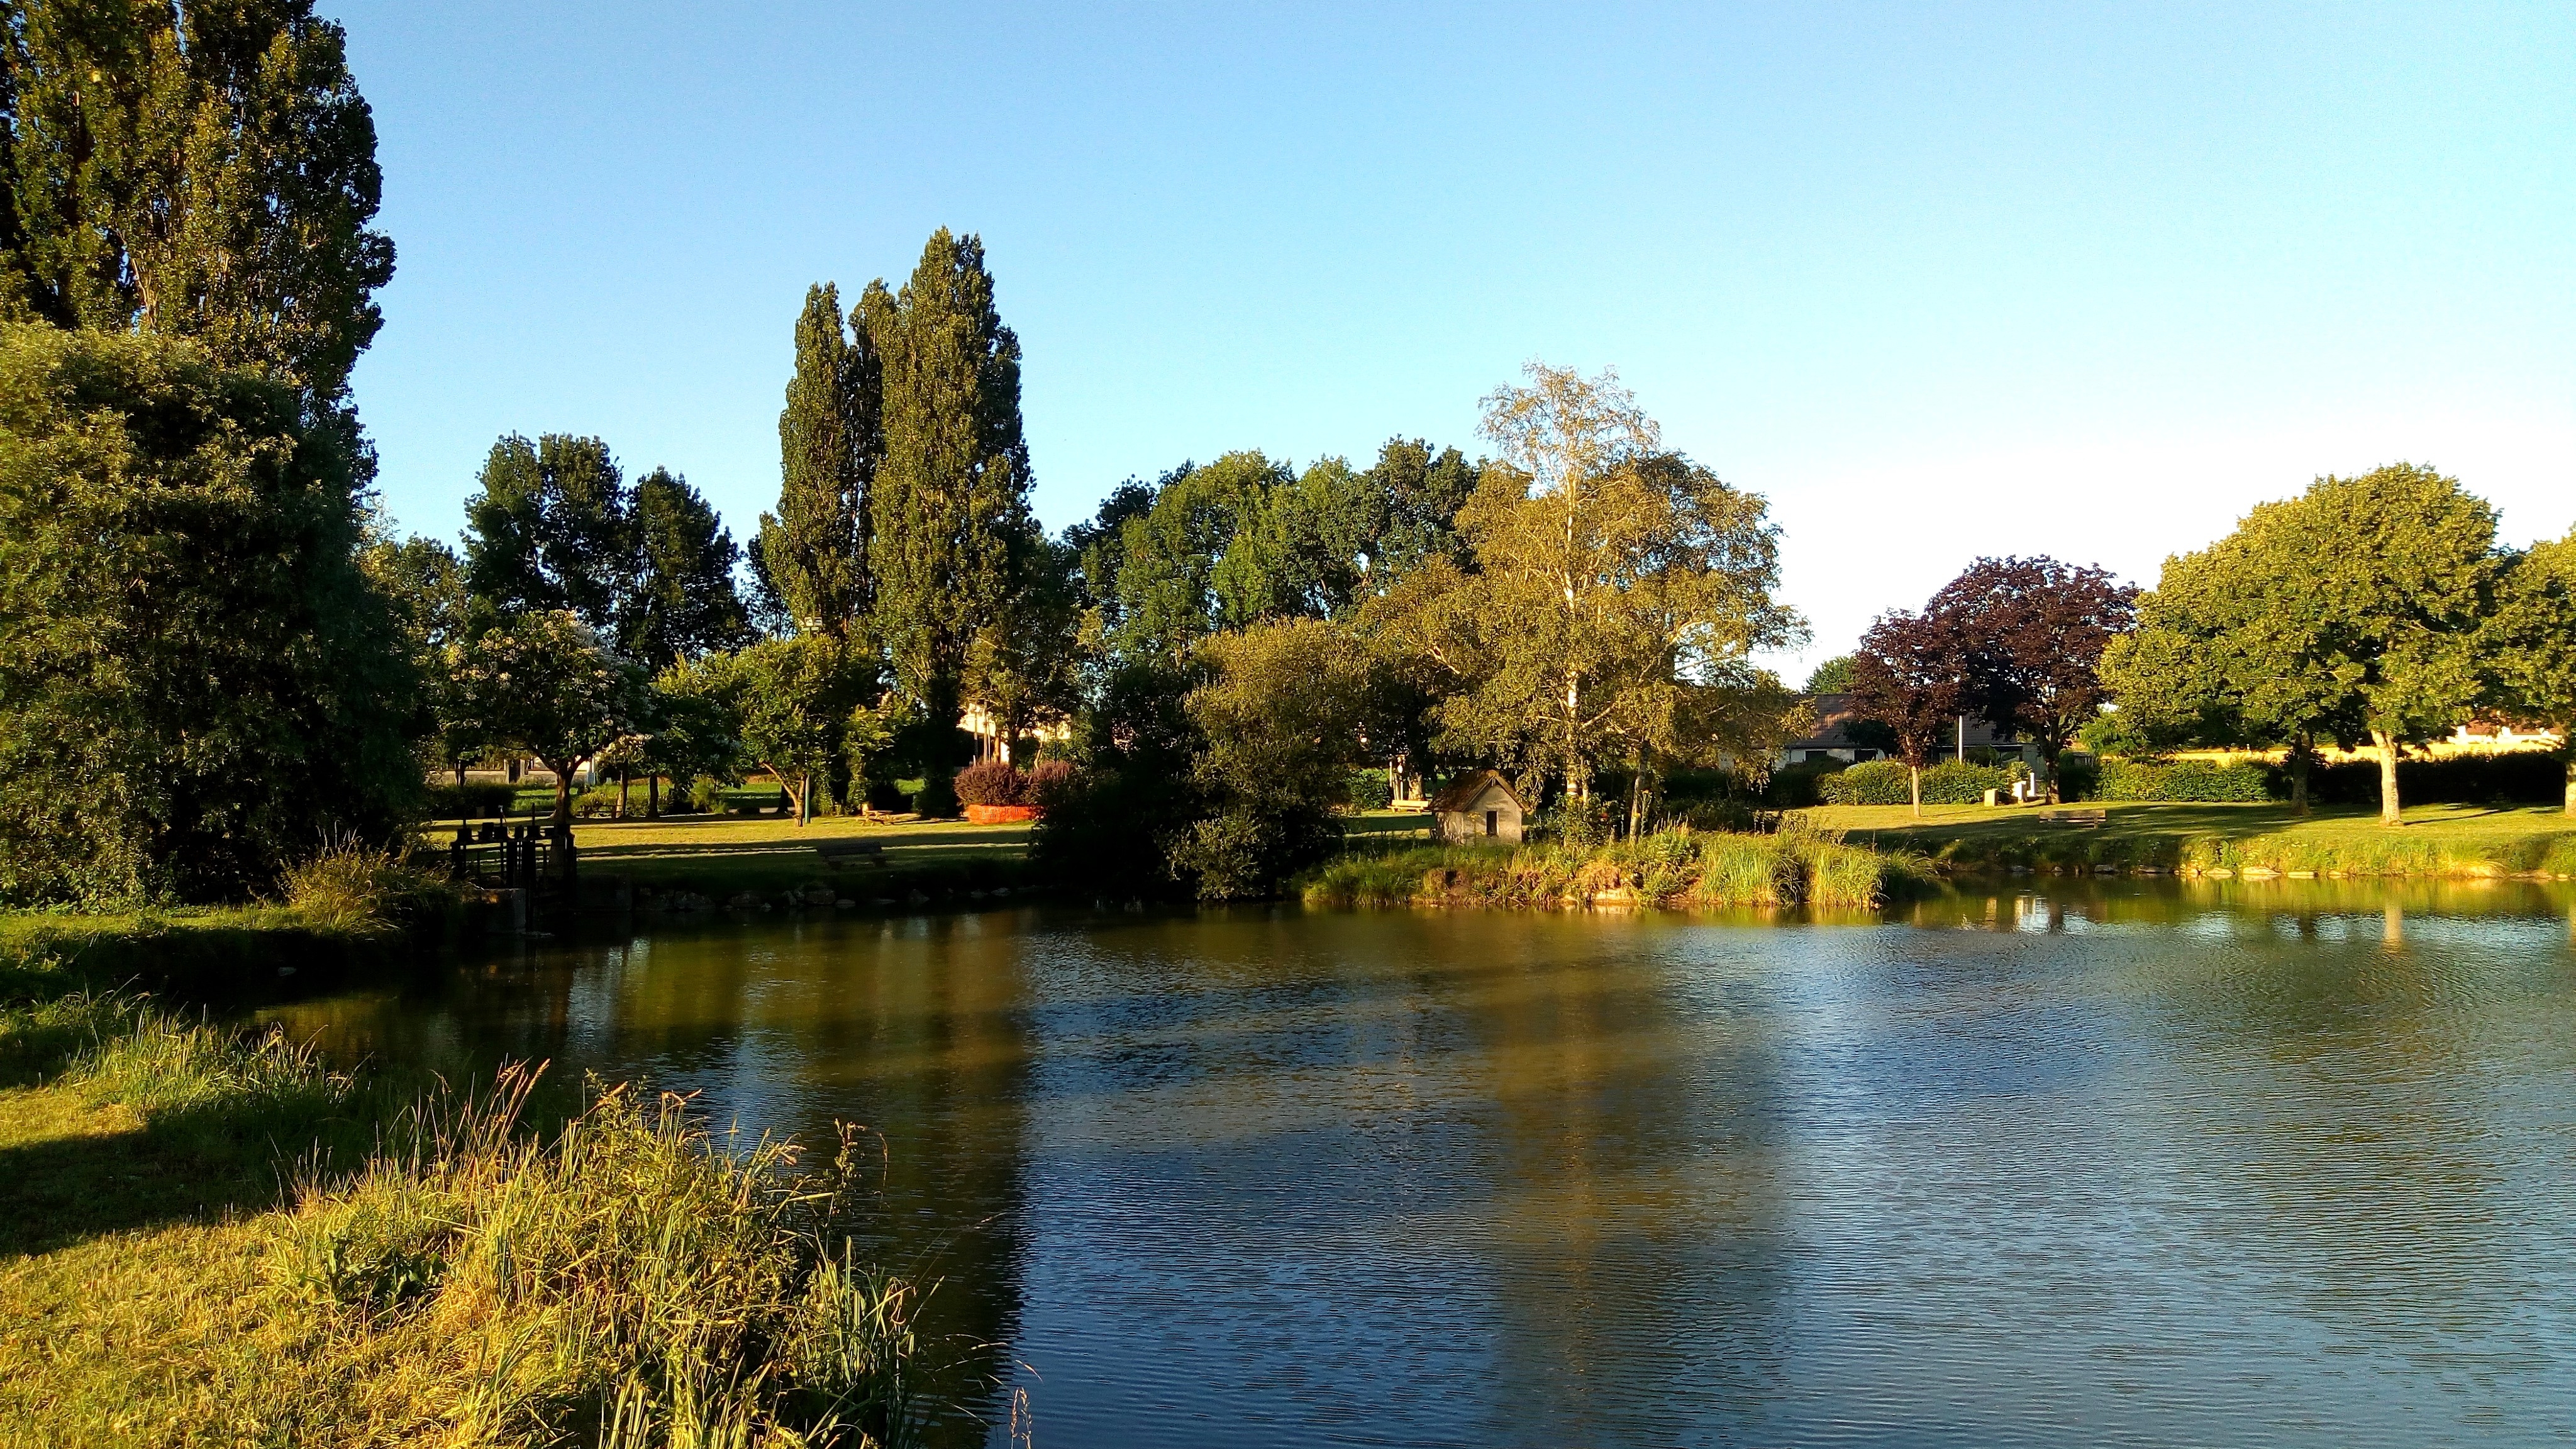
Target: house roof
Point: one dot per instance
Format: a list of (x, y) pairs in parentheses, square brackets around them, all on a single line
[(1836, 713), (1463, 791)]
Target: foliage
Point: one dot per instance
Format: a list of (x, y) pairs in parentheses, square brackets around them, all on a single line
[(790, 703), (1618, 591), (206, 171), (2531, 644), (2355, 609), (1368, 789), (1117, 825), (547, 530), (681, 600), (1908, 679), (1833, 676), (352, 888), (991, 782), (2525, 777), (1892, 782), (2182, 780), (1678, 868), (2030, 633), (198, 680), (1280, 714), (831, 439), (951, 535), (543, 683), (471, 801)]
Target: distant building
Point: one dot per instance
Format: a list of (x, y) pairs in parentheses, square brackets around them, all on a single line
[(1836, 714), (2487, 733), (1481, 806), (987, 730)]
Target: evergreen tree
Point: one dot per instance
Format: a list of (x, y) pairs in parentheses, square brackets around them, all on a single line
[(202, 170), (831, 437), (952, 533), (683, 601)]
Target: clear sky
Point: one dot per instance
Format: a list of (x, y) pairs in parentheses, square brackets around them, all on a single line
[(2084, 280)]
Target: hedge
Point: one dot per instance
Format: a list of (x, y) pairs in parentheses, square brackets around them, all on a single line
[(2203, 780), (1886, 782)]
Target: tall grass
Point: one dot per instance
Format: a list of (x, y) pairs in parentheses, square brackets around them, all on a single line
[(435, 1269), (632, 1281), (351, 887), (1677, 867)]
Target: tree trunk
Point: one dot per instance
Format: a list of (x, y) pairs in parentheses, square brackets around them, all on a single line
[(2390, 811), (2302, 750), (653, 796), (2567, 732), (2048, 762), (1915, 773), (804, 801), (625, 782), (460, 774), (563, 794)]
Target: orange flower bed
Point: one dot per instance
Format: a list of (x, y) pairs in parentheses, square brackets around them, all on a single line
[(998, 814)]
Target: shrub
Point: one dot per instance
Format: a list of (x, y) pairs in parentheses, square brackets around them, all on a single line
[(2525, 777), (1049, 782), (352, 886), (1888, 782), (1794, 787), (477, 800), (1370, 790), (2201, 780), (991, 782), (2079, 776)]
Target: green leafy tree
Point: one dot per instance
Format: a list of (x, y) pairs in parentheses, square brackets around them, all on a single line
[(952, 535), (2531, 645), (550, 528), (207, 171), (544, 682), (1026, 664), (2356, 607), (831, 440), (426, 585), (1617, 594), (1416, 495), (1281, 713), (198, 679), (682, 600), (1833, 676), (791, 702), (1100, 545), (1167, 578)]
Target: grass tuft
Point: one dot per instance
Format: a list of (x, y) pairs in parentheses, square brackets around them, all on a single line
[(1678, 867)]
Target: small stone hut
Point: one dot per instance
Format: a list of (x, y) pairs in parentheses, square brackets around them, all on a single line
[(1481, 806)]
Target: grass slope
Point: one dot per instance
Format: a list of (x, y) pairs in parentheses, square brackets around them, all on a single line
[(2460, 840)]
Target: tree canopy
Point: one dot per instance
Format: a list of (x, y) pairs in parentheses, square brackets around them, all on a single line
[(831, 440), (198, 680), (1910, 677), (206, 171), (2531, 643), (2031, 633), (2353, 610)]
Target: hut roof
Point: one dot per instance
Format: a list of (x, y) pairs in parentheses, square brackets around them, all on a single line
[(1463, 791)]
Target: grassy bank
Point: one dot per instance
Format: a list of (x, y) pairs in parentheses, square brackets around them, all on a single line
[(2437, 840), (765, 855), (208, 1238), (1678, 868)]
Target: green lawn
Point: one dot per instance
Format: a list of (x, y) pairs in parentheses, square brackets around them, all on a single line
[(719, 855), (2436, 839)]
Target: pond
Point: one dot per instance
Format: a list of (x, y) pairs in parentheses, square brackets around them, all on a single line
[(2112, 1162)]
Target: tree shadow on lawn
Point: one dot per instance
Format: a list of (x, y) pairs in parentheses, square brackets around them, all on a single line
[(196, 1164)]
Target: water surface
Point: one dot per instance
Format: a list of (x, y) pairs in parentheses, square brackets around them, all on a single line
[(2134, 1162)]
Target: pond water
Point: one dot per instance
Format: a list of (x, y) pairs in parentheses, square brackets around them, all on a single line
[(2117, 1162)]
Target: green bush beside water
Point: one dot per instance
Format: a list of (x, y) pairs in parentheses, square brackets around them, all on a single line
[(1680, 867)]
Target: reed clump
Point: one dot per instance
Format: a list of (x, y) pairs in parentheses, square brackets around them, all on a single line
[(243, 1246), (1677, 867)]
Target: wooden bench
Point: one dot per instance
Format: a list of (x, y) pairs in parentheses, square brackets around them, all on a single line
[(2086, 818), (836, 852)]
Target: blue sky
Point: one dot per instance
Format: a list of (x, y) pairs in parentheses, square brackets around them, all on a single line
[(1936, 280)]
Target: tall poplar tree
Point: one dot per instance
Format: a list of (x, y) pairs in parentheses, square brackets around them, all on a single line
[(831, 437), (952, 533), (207, 171)]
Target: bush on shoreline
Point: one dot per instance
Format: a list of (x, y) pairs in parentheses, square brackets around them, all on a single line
[(1679, 868), (1888, 782)]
